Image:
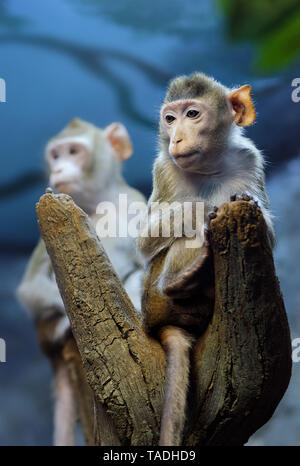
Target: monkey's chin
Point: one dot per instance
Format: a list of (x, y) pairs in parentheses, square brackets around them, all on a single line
[(188, 162), (191, 163), (64, 188)]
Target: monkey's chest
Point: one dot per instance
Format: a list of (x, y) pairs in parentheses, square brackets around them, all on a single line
[(193, 313)]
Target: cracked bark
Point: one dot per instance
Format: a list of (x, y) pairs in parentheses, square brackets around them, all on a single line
[(241, 364)]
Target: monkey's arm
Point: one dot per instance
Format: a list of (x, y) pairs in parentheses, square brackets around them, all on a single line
[(38, 291), (259, 195), (265, 208), (150, 244), (184, 268)]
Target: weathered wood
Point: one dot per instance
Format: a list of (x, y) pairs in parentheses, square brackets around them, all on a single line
[(83, 393), (124, 367), (242, 363)]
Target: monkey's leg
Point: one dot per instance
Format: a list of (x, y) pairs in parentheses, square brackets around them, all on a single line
[(184, 268), (177, 345), (52, 335), (65, 412), (190, 277)]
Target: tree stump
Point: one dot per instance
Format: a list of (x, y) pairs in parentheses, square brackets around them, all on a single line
[(241, 365)]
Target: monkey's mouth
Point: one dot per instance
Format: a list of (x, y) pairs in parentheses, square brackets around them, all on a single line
[(186, 155), (62, 183), (64, 187), (192, 162)]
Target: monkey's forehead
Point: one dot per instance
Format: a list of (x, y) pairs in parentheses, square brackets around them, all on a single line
[(84, 140), (182, 104)]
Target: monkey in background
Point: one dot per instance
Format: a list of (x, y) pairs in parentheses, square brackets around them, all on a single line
[(203, 157), (84, 162)]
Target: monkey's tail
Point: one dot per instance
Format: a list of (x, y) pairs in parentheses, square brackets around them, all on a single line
[(177, 343), (65, 412)]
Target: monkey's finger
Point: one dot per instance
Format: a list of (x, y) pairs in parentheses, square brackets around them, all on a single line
[(246, 197), (212, 215)]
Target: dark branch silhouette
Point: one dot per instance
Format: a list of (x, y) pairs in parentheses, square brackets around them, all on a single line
[(93, 59)]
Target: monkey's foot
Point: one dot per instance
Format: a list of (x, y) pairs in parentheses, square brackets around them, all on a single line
[(234, 198), (187, 281), (243, 197)]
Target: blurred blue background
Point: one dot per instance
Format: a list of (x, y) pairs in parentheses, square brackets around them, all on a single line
[(105, 61)]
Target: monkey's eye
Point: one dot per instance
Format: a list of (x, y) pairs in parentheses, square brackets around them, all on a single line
[(192, 113), (169, 119), (55, 155), (73, 150)]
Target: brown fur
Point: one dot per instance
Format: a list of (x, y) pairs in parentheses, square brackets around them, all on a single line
[(195, 86)]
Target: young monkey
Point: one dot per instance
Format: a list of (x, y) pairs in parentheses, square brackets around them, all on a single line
[(204, 157)]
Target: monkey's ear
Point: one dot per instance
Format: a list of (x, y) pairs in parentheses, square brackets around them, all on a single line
[(242, 105), (119, 138), (75, 123)]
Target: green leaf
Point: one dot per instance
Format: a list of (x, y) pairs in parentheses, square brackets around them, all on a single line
[(282, 46)]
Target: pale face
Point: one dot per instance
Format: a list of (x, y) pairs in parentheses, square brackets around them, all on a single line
[(68, 162), (190, 125)]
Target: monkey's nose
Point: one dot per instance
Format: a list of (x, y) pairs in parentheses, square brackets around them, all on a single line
[(174, 143), (177, 141)]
